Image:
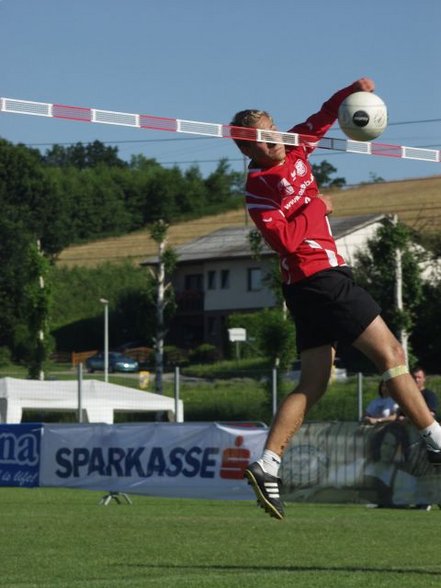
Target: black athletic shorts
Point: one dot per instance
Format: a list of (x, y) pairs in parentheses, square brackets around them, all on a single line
[(328, 308)]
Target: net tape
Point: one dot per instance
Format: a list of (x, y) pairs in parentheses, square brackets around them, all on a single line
[(175, 125)]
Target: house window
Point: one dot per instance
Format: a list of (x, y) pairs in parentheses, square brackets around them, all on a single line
[(254, 279), (225, 279), (211, 279), (194, 282)]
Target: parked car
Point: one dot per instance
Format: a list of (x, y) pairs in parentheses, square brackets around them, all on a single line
[(117, 363)]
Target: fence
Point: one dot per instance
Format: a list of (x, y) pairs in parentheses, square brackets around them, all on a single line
[(248, 396)]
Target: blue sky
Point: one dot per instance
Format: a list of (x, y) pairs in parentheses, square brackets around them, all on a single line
[(204, 60)]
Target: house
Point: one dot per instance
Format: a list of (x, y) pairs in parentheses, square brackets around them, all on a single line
[(217, 275)]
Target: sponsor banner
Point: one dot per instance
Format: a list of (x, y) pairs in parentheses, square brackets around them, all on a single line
[(20, 455), (158, 459), (384, 465), (325, 462)]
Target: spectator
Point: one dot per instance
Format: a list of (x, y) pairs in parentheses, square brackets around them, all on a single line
[(419, 375), (383, 409)]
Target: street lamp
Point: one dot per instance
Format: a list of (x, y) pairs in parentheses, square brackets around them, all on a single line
[(106, 338)]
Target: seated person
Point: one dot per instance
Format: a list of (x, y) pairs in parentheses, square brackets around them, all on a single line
[(383, 409), (419, 375)]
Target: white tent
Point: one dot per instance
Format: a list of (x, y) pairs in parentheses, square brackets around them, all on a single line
[(99, 400)]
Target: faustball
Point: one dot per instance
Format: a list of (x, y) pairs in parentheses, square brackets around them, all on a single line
[(362, 116)]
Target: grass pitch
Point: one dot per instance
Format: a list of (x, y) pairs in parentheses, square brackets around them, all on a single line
[(64, 538)]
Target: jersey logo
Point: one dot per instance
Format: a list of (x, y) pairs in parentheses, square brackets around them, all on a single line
[(301, 168)]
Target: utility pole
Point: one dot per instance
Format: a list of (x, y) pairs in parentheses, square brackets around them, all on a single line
[(402, 335)]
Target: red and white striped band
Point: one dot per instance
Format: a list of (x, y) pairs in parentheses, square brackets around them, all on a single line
[(176, 125)]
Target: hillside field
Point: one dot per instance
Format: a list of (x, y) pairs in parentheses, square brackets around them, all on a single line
[(417, 203)]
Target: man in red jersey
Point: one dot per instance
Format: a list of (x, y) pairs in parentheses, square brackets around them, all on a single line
[(285, 204)]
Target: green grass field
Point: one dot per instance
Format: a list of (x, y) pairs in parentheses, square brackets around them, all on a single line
[(64, 538)]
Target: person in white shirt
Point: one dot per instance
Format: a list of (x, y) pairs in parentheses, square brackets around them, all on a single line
[(383, 409)]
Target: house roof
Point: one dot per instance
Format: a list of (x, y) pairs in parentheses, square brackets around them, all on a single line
[(233, 241)]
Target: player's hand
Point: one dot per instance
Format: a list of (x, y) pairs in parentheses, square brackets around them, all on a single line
[(364, 85), (328, 201)]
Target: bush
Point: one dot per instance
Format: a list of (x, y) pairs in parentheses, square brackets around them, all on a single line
[(5, 356), (205, 353), (174, 356), (269, 334)]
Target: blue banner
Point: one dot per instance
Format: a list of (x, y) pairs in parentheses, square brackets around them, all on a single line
[(187, 460), (20, 455)]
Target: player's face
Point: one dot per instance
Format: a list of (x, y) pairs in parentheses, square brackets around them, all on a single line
[(265, 154)]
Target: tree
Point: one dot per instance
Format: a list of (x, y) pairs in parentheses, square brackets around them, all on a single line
[(25, 199), (14, 242), (223, 184), (323, 172), (275, 338), (194, 191), (161, 196), (375, 270), (166, 263), (83, 156), (35, 310), (426, 335), (273, 278)]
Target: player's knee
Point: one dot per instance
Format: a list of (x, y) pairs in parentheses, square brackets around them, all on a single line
[(394, 355), (394, 372)]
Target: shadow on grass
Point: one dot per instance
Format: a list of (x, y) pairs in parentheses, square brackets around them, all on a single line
[(276, 568)]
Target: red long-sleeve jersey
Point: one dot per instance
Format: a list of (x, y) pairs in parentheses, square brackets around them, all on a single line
[(282, 201)]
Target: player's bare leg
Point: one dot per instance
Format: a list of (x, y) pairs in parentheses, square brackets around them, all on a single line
[(380, 345), (263, 474), (382, 348), (314, 378)]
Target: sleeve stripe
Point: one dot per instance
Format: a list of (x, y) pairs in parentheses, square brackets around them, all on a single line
[(261, 206)]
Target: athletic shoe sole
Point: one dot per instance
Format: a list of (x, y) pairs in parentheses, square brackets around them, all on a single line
[(262, 501)]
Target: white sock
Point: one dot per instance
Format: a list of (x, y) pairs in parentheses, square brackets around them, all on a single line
[(432, 436), (270, 462)]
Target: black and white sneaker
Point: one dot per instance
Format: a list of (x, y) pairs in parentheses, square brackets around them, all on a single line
[(434, 456), (267, 489)]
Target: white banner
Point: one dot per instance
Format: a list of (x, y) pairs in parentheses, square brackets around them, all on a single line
[(156, 459)]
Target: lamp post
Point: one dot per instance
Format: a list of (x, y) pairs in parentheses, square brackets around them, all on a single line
[(106, 338)]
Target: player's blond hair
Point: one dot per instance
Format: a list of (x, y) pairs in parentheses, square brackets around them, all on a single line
[(248, 118)]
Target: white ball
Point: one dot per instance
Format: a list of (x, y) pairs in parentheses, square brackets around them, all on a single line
[(362, 116)]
